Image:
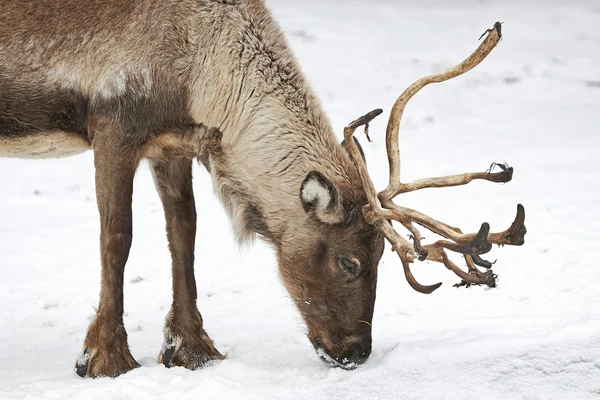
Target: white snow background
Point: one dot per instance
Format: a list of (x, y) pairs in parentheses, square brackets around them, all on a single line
[(534, 103)]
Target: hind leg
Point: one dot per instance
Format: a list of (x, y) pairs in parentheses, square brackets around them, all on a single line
[(186, 342)]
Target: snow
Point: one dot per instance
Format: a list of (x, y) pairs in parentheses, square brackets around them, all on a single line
[(534, 103)]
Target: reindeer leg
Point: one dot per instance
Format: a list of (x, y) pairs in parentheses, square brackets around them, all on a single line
[(106, 352), (186, 343)]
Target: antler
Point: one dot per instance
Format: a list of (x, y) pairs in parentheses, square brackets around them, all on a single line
[(381, 209)]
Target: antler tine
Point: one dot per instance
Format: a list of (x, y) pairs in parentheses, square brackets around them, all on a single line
[(473, 277), (404, 250), (393, 126), (370, 190), (515, 235), (503, 176)]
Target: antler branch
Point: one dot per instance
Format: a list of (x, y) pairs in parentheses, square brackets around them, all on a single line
[(393, 126), (458, 180), (381, 209)]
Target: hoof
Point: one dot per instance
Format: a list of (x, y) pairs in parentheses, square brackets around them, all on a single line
[(191, 354), (105, 351), (81, 366), (111, 364)]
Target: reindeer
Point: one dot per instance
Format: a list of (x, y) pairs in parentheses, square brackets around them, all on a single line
[(211, 80)]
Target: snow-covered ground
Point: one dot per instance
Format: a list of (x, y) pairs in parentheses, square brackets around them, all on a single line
[(535, 103)]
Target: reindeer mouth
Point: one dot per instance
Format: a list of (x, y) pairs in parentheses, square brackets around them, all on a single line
[(343, 363), (354, 357)]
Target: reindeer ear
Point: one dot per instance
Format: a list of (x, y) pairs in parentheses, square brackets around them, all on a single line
[(319, 196), (362, 153), (317, 192)]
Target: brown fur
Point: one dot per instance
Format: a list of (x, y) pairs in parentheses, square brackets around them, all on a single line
[(182, 79), (183, 330)]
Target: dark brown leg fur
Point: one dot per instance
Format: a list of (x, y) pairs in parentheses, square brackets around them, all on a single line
[(186, 343), (106, 352)]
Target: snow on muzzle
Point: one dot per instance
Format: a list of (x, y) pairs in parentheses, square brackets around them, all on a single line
[(352, 355)]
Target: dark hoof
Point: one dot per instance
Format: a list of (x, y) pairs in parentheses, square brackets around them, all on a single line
[(81, 366), (94, 365), (192, 355), (167, 353), (105, 351)]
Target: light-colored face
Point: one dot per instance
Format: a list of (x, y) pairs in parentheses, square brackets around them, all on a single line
[(329, 267)]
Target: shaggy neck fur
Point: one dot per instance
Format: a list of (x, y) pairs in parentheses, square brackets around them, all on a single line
[(274, 130)]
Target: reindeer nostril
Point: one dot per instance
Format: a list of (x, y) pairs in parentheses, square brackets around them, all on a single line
[(354, 356), (318, 342)]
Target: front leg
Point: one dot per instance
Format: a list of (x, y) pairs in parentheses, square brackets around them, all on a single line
[(186, 343), (106, 352)]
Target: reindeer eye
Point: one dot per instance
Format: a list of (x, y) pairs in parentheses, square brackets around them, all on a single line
[(351, 266)]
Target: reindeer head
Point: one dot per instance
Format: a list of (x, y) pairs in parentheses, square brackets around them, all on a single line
[(329, 267), (331, 271)]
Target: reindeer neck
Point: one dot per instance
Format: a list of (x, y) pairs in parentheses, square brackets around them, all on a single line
[(274, 131)]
